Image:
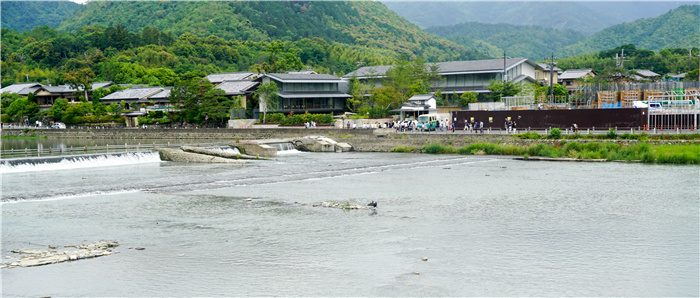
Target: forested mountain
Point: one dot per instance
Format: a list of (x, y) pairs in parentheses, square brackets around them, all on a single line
[(583, 16), (675, 29), (25, 15), (358, 23), (159, 43), (532, 42)]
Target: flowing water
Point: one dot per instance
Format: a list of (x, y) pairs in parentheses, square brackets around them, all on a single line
[(487, 226)]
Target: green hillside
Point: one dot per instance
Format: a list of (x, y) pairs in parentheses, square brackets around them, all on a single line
[(25, 15), (550, 14), (533, 42), (357, 23), (588, 17), (675, 29)]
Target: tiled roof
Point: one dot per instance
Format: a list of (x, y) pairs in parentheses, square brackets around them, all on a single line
[(570, 74), (545, 67), (98, 85), (133, 93), (472, 66), (216, 78), (307, 77), (646, 73), (237, 87), (421, 97), (16, 88), (165, 93)]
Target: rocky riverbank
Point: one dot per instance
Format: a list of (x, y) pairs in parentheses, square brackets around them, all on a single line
[(39, 257)]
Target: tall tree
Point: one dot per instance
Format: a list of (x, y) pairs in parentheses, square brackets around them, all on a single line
[(267, 96)]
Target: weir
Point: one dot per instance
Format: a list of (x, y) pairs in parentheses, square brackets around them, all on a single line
[(285, 146), (33, 164)]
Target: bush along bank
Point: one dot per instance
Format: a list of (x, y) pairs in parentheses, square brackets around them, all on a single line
[(646, 153)]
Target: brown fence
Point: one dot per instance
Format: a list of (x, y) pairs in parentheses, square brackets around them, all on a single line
[(545, 119)]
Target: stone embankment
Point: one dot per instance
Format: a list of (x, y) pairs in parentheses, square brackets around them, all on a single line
[(362, 140), (38, 257)]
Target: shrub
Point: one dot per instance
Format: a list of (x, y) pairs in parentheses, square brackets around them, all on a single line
[(438, 149), (403, 149), (555, 133), (611, 134), (531, 135)]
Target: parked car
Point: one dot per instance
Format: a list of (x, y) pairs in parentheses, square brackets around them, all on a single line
[(58, 125)]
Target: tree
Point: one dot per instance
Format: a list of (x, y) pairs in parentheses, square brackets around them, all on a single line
[(267, 95), (468, 97), (58, 109), (358, 90), (500, 89)]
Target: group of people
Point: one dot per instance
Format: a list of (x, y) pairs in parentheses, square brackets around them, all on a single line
[(310, 124), (474, 126), (510, 126)]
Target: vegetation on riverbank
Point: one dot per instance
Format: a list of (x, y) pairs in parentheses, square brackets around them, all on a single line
[(611, 134), (643, 152)]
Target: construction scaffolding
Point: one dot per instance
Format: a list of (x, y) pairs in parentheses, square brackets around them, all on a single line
[(628, 97), (607, 100), (671, 110)]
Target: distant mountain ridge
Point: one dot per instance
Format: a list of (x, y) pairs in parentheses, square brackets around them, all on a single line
[(532, 42), (584, 16), (25, 15), (358, 23), (678, 28)]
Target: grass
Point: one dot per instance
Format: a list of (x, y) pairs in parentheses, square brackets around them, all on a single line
[(660, 154), (611, 134)]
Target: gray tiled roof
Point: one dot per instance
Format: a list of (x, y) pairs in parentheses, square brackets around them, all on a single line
[(472, 66), (133, 93), (17, 87), (98, 85), (646, 73), (421, 97), (237, 87), (545, 67), (286, 77), (26, 88), (570, 74), (216, 78), (165, 93)]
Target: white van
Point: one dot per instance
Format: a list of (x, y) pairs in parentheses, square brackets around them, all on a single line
[(58, 125)]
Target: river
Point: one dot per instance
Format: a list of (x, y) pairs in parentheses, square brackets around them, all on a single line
[(444, 226)]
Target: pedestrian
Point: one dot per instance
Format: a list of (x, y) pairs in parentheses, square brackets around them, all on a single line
[(575, 127), (515, 128), (453, 127), (481, 126)]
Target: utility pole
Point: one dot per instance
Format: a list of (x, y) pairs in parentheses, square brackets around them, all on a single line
[(551, 78), (504, 67)]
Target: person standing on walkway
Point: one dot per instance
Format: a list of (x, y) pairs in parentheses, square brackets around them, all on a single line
[(481, 126)]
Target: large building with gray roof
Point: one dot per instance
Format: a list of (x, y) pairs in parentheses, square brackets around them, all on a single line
[(46, 95), (300, 92), (458, 77)]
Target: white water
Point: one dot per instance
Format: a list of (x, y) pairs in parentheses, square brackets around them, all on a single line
[(227, 149), (20, 165)]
